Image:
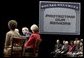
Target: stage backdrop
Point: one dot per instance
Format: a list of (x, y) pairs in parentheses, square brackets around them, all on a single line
[(59, 18)]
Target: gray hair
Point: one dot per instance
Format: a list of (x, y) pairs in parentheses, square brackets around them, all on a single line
[(34, 28)]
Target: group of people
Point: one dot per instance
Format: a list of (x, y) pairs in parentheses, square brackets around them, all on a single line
[(74, 48), (33, 38)]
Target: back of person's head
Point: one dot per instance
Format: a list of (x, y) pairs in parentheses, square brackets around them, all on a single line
[(17, 30), (81, 40), (78, 41), (75, 42), (66, 42), (12, 24), (34, 28), (57, 41), (81, 44)]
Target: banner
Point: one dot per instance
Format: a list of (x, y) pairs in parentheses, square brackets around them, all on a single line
[(59, 18)]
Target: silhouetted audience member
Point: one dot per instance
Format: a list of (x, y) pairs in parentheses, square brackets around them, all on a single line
[(65, 48), (71, 49), (58, 47)]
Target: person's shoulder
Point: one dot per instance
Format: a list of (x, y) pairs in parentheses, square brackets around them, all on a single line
[(9, 33)]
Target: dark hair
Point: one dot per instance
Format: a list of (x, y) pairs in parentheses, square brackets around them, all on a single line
[(12, 24), (71, 42)]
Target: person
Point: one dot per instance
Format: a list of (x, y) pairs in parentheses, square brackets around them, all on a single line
[(65, 48), (77, 46), (57, 48), (80, 51), (12, 24), (26, 32), (32, 45), (71, 49)]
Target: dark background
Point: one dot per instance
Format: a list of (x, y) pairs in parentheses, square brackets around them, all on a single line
[(26, 13)]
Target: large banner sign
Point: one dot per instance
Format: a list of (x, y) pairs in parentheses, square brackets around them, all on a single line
[(59, 18)]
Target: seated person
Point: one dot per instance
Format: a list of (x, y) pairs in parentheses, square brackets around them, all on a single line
[(12, 24), (80, 52), (71, 49), (57, 48), (65, 48), (32, 44), (77, 46)]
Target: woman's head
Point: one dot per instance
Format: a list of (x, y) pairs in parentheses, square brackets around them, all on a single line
[(12, 24), (34, 28)]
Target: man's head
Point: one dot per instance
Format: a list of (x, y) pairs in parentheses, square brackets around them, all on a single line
[(66, 42), (57, 41), (75, 42), (34, 28), (81, 44), (81, 40), (12, 24), (78, 42), (63, 41), (25, 30)]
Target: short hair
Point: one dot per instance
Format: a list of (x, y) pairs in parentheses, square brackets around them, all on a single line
[(75, 42), (34, 28), (12, 24), (78, 41), (66, 42), (17, 30), (25, 28), (57, 40)]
